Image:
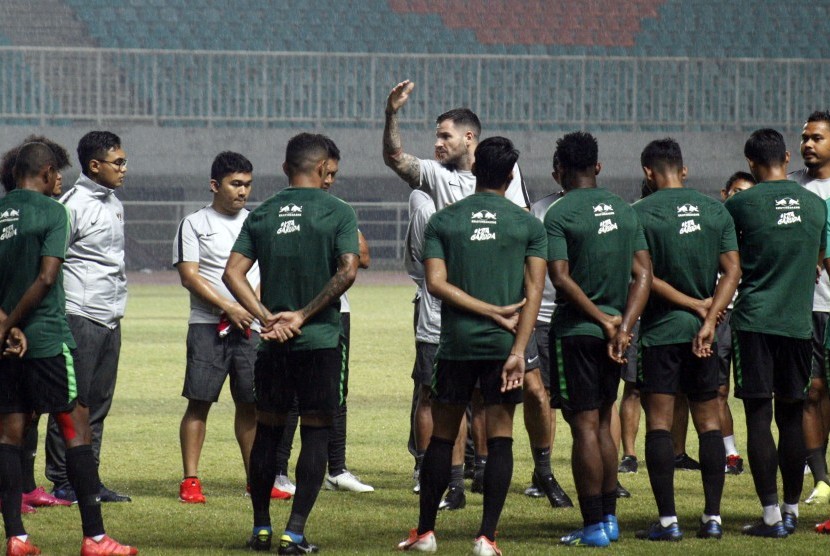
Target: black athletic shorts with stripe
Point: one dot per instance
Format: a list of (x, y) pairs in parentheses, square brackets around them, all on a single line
[(454, 382), (768, 364), (674, 368), (312, 377), (45, 385), (583, 377)]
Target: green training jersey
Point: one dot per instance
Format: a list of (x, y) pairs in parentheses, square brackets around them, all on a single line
[(33, 226), (597, 233), (686, 233), (484, 240), (297, 236), (780, 227)]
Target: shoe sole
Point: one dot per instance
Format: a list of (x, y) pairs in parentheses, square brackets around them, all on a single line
[(183, 501)]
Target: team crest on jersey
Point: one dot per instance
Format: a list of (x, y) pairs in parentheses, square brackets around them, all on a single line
[(482, 234), (291, 210), (9, 215), (288, 227), (8, 232), (788, 218), (606, 226), (787, 203), (689, 226), (603, 209), (687, 210), (483, 217)]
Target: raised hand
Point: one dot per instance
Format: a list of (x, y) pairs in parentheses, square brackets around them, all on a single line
[(399, 95)]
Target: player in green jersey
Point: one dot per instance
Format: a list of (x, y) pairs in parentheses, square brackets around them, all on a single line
[(780, 227), (305, 242), (482, 256), (690, 237), (599, 264)]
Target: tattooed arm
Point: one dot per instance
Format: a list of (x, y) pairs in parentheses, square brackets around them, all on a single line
[(287, 324), (405, 165)]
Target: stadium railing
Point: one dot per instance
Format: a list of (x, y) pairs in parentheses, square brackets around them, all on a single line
[(150, 227), (56, 86)]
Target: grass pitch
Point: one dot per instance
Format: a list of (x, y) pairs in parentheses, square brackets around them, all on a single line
[(141, 457)]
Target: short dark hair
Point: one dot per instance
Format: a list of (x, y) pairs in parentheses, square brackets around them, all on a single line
[(229, 162), (819, 116), (495, 158), (661, 155), (766, 147), (31, 159), (577, 150), (305, 150), (7, 162), (462, 117), (94, 145), (738, 176)]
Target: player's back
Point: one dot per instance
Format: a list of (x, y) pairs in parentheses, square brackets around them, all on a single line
[(686, 233), (780, 228)]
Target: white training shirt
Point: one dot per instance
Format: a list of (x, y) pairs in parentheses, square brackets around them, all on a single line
[(538, 209), (206, 237), (821, 297), (428, 327), (448, 186)]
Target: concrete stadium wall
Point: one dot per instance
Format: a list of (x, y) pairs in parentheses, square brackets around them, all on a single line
[(174, 163)]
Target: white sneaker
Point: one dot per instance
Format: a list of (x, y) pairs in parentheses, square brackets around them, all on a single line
[(483, 547), (284, 484), (416, 478), (346, 481), (423, 543)]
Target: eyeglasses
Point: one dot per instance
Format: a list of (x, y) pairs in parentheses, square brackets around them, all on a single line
[(121, 163)]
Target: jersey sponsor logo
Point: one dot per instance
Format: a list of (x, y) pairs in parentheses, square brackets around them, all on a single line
[(788, 218), (9, 214), (688, 210), (606, 226), (8, 232), (787, 203), (483, 217), (603, 209), (291, 210), (689, 226), (482, 234), (288, 227)]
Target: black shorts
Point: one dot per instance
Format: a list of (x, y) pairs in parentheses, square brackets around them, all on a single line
[(211, 359), (673, 368), (44, 385), (632, 356), (723, 337), (820, 319), (537, 354), (583, 377), (311, 377), (767, 365), (422, 370), (455, 381)]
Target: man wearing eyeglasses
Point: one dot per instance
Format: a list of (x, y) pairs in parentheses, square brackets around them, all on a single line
[(96, 294)]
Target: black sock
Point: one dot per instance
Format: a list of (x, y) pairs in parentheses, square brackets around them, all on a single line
[(591, 508), (435, 476), (609, 503), (263, 470), (11, 495), (712, 455), (791, 451), (337, 443), (457, 476), (760, 449), (419, 459), (660, 465), (817, 464), (27, 457), (311, 467), (287, 439), (480, 463), (82, 472), (541, 461), (497, 475)]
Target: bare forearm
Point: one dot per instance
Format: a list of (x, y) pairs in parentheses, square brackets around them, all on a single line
[(638, 290), (534, 286), (334, 288), (458, 298), (241, 289), (575, 295), (30, 300), (197, 285), (728, 283), (665, 290), (405, 165)]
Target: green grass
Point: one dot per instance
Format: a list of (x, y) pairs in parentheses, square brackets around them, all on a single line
[(141, 457)]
